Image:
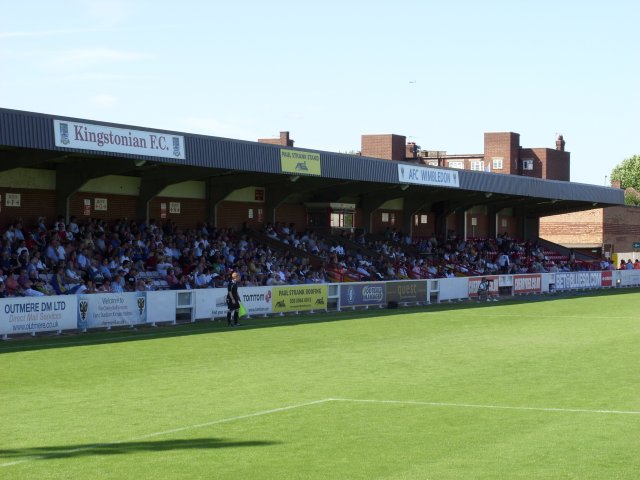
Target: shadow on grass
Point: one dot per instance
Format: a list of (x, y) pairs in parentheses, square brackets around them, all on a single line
[(123, 448), (144, 332)]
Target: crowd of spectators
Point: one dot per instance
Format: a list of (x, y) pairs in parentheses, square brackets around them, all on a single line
[(393, 256), (60, 257), (97, 256)]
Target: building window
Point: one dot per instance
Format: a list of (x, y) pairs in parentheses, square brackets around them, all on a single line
[(424, 218), (342, 220), (385, 217), (527, 164), (477, 165), (456, 165), (433, 163), (497, 163)]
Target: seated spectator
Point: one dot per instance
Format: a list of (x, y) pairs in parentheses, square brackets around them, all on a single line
[(71, 275), (13, 288), (55, 252), (163, 265), (105, 287), (93, 271), (5, 260), (171, 278), (35, 264), (117, 285), (87, 287), (59, 284), (130, 280), (39, 285), (184, 283), (104, 270)]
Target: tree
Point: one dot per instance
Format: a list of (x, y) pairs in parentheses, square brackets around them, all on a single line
[(628, 174)]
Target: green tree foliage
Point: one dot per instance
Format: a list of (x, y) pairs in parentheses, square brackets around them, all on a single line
[(631, 197), (628, 173)]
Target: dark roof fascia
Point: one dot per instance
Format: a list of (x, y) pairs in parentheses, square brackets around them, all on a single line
[(539, 188), (35, 131)]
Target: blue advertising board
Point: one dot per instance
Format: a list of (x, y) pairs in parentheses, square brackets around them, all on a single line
[(362, 294)]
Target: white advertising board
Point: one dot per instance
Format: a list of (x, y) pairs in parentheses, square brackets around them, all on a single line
[(103, 138), (37, 314), (211, 303), (161, 306), (112, 309), (257, 300)]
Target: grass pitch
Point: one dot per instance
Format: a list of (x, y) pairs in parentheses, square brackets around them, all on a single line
[(542, 389)]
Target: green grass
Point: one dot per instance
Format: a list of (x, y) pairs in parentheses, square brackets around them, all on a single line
[(275, 398)]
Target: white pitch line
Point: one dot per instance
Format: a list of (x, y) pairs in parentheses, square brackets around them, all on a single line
[(495, 407), (317, 402), (230, 419), (166, 432)]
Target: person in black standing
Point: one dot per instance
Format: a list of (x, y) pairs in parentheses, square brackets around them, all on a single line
[(233, 300)]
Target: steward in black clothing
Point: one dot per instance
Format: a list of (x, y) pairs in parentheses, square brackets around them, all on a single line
[(233, 300)]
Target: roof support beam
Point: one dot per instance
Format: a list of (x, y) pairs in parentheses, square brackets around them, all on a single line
[(372, 201), (71, 176), (10, 159), (220, 187), (155, 181), (411, 206)]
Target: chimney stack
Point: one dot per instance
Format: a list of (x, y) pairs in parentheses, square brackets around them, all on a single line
[(560, 143), (283, 140), (411, 151)]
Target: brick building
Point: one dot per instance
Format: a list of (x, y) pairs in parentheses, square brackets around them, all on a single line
[(600, 231), (594, 232), (502, 154)]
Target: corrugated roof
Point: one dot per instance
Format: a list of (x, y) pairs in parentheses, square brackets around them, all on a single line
[(35, 131)]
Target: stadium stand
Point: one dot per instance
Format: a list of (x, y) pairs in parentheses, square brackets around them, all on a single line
[(129, 256)]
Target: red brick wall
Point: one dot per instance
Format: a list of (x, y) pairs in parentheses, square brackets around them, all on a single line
[(584, 227), (33, 204), (621, 227), (481, 230), (378, 226), (617, 226), (452, 223), (283, 140), (505, 145), (557, 165), (547, 163), (424, 229), (192, 211), (512, 226), (535, 155), (118, 206), (359, 222), (236, 214), (388, 147), (292, 213)]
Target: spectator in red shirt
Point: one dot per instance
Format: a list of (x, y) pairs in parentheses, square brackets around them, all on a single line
[(13, 287)]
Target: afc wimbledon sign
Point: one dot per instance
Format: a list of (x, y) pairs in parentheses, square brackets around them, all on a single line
[(102, 138), (428, 176)]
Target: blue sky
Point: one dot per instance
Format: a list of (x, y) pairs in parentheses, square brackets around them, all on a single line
[(440, 73)]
